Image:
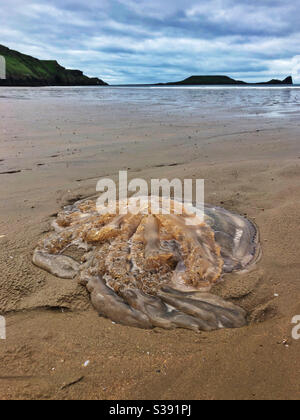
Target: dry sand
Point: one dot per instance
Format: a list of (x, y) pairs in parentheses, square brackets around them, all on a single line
[(251, 165)]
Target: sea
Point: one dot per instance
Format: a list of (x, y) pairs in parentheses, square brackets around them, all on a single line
[(271, 101)]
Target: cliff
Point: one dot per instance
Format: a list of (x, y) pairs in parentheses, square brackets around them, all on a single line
[(24, 70)]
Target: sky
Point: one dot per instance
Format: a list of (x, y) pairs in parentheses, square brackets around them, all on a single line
[(150, 41)]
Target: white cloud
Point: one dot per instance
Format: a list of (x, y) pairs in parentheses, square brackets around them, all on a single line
[(54, 15)]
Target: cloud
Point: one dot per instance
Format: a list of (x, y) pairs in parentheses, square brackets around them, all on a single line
[(144, 41)]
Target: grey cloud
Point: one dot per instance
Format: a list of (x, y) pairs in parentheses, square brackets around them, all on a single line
[(125, 41)]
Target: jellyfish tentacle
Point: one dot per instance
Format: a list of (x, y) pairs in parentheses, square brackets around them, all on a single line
[(156, 255), (151, 236), (117, 261), (214, 310), (158, 312), (190, 308), (48, 255), (110, 305), (57, 265), (201, 271)]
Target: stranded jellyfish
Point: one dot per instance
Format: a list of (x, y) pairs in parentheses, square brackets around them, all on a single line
[(152, 270)]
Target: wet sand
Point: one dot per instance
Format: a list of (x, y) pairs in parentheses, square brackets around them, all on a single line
[(53, 153)]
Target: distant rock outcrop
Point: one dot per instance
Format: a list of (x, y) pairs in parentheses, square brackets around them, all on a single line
[(24, 70), (223, 80), (287, 81), (208, 80)]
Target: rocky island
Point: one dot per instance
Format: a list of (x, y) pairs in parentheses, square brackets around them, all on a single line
[(24, 70), (224, 80)]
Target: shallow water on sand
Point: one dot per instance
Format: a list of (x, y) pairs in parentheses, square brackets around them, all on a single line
[(271, 101)]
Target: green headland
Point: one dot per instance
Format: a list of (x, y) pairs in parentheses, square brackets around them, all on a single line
[(24, 70)]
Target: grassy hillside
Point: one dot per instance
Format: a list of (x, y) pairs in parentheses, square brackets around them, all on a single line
[(24, 70)]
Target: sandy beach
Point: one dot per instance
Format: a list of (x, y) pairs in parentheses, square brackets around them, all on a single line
[(53, 153)]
